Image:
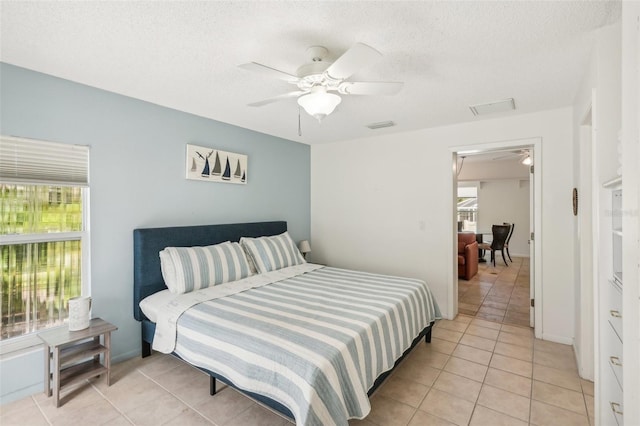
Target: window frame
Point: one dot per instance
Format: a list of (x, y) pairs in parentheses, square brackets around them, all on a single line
[(12, 345)]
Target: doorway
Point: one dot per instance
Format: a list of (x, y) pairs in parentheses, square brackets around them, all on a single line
[(509, 292)]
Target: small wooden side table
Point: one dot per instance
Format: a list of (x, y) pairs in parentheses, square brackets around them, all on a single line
[(75, 355)]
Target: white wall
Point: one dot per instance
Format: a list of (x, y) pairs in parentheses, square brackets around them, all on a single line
[(614, 76), (631, 205), (595, 162), (503, 196), (385, 204), (488, 170), (506, 200)]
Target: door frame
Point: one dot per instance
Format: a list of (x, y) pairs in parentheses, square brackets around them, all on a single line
[(535, 145), (532, 245), (586, 239)]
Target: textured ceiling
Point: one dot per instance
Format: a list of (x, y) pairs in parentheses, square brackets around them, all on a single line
[(185, 55)]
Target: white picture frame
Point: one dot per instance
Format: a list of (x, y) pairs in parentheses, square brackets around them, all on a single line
[(214, 165)]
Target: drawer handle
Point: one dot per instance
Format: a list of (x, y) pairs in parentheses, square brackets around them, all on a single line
[(615, 314), (615, 360), (615, 407)]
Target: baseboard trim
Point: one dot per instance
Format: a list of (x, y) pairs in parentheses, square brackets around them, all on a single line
[(125, 356), (558, 339), (21, 393)]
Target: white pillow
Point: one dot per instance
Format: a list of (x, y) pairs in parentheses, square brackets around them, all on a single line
[(168, 269), (272, 253), (186, 269)]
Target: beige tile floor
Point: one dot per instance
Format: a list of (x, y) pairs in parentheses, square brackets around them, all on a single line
[(474, 372), (499, 293), (480, 369)]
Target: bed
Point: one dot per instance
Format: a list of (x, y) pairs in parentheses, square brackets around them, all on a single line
[(309, 341)]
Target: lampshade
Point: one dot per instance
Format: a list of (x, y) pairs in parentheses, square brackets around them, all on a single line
[(304, 247), (319, 103), (527, 160)]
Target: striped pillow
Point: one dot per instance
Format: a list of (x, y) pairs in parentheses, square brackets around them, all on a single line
[(186, 269), (272, 253)]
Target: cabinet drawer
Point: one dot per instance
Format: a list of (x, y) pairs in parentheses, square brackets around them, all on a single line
[(611, 408), (612, 352), (614, 308)]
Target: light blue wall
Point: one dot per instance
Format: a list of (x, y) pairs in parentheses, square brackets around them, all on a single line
[(137, 169)]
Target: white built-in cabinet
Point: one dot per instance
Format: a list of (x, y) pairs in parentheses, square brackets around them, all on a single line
[(611, 362)]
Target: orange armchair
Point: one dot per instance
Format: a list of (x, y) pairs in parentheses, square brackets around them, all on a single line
[(467, 255)]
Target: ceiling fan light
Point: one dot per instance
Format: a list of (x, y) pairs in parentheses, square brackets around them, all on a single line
[(319, 103), (527, 160)]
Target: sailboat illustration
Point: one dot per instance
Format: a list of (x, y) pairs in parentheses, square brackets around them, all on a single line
[(193, 164), (205, 170), (227, 171), (238, 171), (216, 166), (244, 177)]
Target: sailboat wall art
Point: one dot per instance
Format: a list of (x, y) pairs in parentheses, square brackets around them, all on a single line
[(213, 165)]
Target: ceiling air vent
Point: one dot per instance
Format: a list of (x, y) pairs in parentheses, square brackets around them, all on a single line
[(381, 125), (493, 107)]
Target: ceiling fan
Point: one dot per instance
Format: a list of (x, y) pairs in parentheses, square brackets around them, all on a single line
[(318, 79)]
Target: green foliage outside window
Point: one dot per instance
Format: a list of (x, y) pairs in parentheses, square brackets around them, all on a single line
[(33, 209), (39, 277)]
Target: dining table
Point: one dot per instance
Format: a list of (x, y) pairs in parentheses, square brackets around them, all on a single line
[(480, 239)]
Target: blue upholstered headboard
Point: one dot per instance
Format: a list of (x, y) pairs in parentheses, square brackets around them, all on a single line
[(148, 242)]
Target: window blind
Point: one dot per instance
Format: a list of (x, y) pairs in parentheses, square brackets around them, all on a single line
[(33, 161)]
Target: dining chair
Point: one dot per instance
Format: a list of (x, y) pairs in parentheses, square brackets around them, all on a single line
[(506, 244), (500, 234)]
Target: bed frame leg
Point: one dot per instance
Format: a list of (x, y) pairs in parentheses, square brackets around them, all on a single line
[(427, 335), (146, 349), (212, 385)]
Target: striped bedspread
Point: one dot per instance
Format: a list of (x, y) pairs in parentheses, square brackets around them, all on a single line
[(315, 342)]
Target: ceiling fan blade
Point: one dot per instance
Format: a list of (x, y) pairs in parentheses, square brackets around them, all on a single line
[(277, 98), (370, 87), (502, 157), (509, 155), (263, 69), (358, 56)]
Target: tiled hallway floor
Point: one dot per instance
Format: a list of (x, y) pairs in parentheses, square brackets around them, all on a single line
[(499, 293)]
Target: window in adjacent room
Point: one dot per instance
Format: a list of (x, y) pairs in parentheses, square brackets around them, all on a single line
[(467, 208), (44, 238)]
